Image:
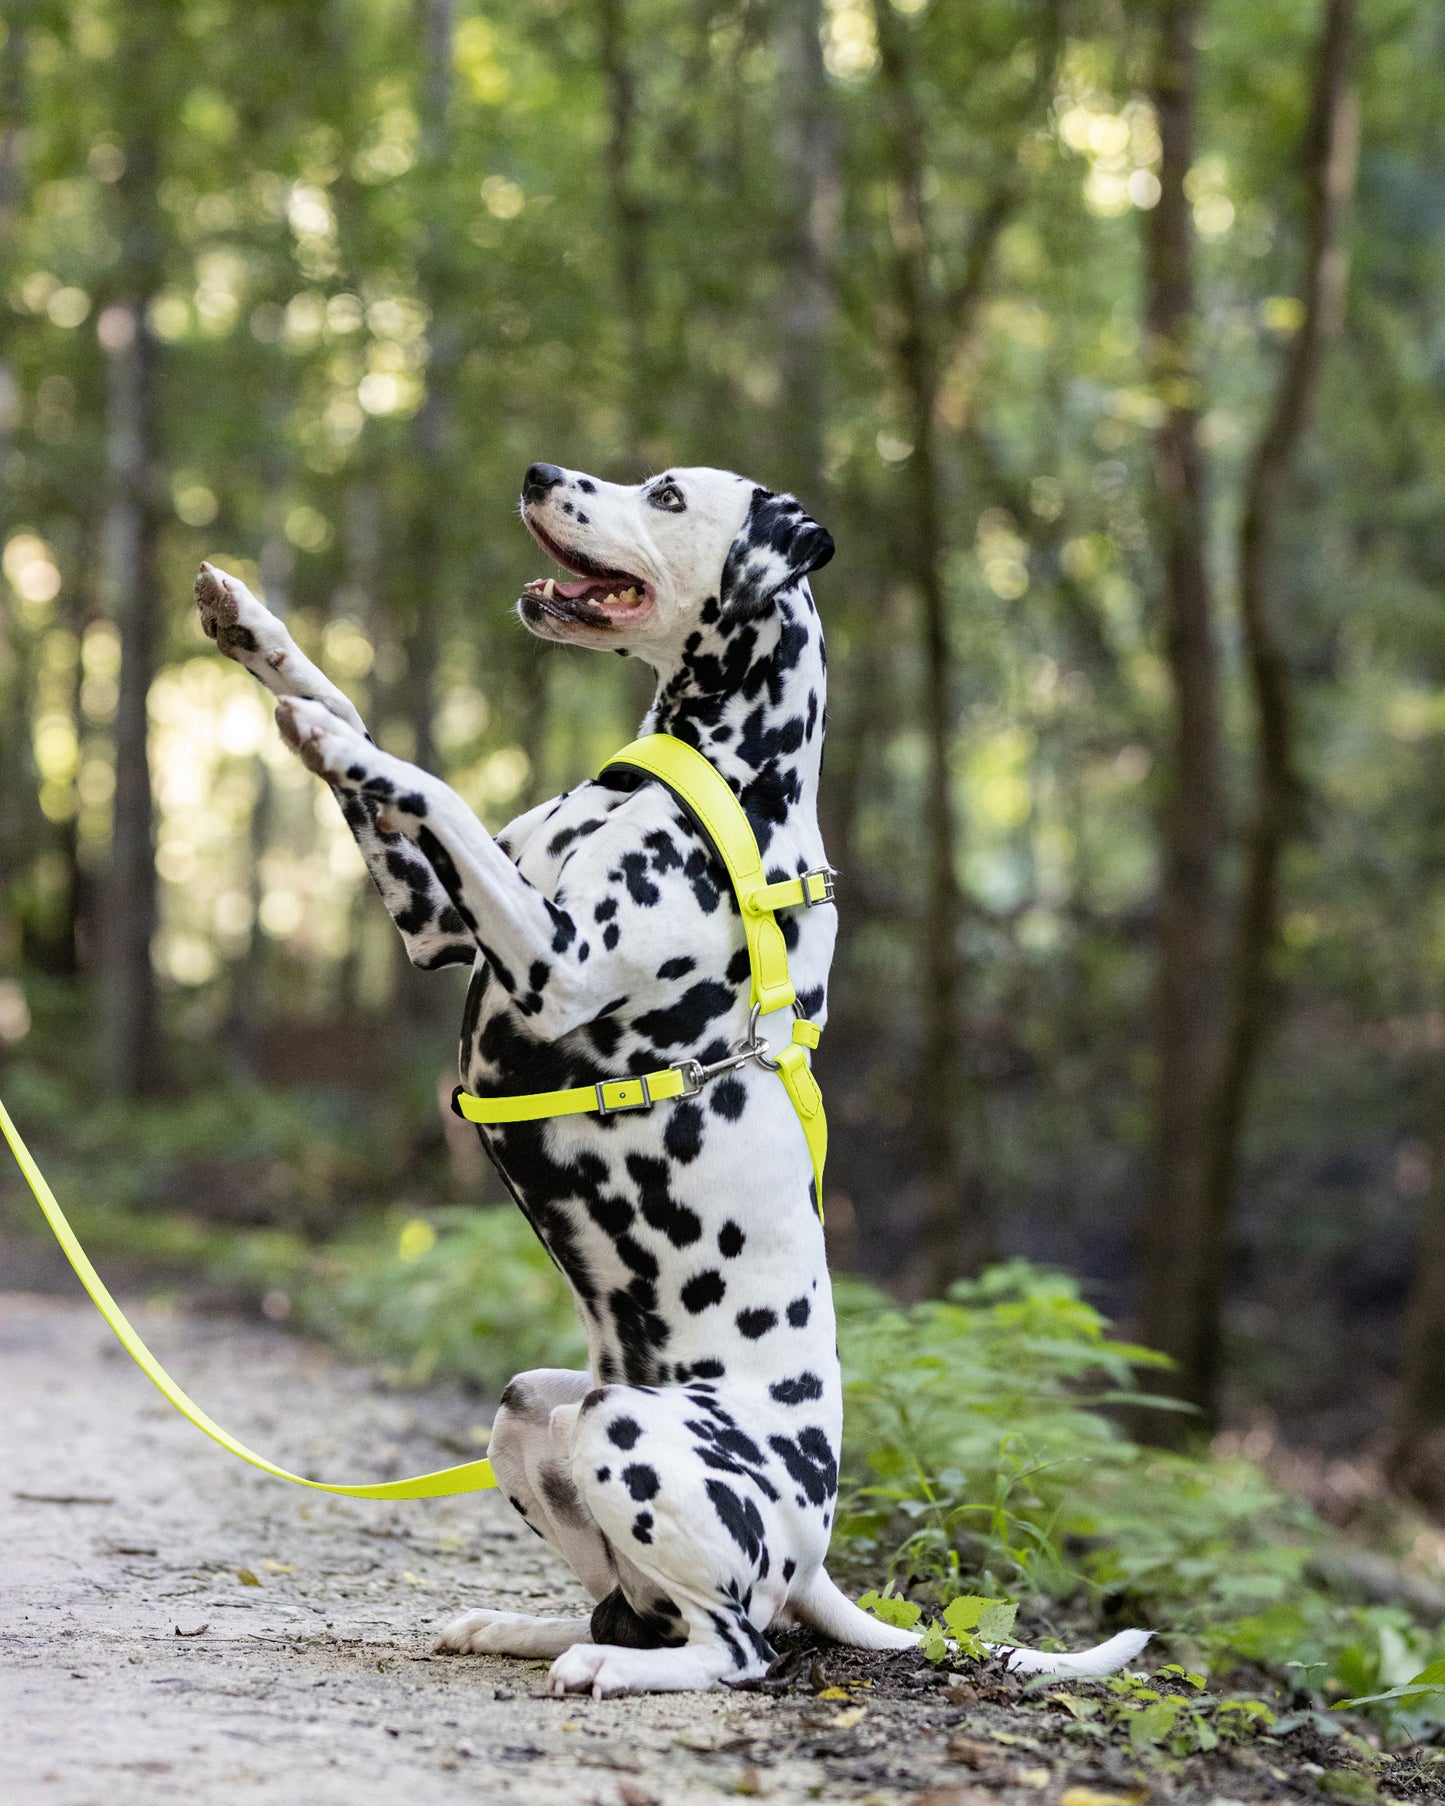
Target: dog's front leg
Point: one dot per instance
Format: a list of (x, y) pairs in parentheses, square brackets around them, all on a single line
[(531, 945), (246, 631)]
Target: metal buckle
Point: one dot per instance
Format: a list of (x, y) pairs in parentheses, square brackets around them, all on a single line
[(642, 1103), (692, 1073), (827, 874)]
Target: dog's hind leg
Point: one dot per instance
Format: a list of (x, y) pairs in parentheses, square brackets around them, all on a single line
[(534, 1477)]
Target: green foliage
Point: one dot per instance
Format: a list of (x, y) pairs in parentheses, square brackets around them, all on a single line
[(1175, 1717), (468, 1294), (975, 1448)]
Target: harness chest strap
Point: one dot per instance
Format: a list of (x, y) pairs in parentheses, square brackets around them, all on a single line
[(707, 797)]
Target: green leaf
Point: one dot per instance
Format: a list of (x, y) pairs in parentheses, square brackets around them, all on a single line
[(903, 1614), (996, 1620), (1153, 1724), (964, 1613)]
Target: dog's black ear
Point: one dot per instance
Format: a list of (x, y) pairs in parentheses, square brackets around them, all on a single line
[(778, 544)]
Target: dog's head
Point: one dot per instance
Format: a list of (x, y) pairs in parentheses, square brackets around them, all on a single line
[(653, 560)]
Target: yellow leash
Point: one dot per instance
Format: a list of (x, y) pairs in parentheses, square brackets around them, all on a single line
[(472, 1476), (705, 793)]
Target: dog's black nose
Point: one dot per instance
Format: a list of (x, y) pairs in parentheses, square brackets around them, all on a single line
[(539, 479)]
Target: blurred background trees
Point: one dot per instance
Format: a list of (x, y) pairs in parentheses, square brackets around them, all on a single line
[(1138, 705)]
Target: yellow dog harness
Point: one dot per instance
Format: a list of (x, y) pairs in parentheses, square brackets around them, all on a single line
[(707, 798), (702, 790)]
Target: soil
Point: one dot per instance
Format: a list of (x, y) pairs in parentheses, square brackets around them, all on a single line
[(177, 1626)]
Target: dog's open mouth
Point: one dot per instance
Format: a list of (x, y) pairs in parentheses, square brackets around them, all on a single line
[(601, 596)]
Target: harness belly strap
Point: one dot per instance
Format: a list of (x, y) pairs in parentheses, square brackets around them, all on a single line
[(706, 795)]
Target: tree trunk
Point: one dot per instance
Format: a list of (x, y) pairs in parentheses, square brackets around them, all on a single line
[(1179, 1258), (933, 320), (629, 225), (953, 1237), (1329, 157), (808, 154), (1416, 1458), (426, 538), (130, 1056)]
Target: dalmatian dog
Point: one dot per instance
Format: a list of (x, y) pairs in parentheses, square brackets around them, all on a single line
[(689, 1476)]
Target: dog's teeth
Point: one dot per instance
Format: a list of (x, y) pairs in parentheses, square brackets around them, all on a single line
[(629, 596), (549, 588), (607, 599)]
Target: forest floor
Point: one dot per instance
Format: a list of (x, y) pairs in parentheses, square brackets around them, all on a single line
[(178, 1626)]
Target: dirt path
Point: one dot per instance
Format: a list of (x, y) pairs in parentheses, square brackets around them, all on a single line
[(177, 1626), (121, 1527)]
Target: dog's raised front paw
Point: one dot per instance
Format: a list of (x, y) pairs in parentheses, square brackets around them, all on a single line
[(323, 744), (243, 628)]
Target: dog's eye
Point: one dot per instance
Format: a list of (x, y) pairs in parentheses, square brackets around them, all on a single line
[(669, 496)]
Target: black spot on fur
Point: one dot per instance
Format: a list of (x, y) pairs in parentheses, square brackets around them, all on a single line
[(684, 1022), (703, 1290), (798, 1312), (728, 1098), (642, 1527), (683, 1135), (640, 1480), (739, 1516), (810, 1463), (756, 1322), (730, 1239), (676, 968), (800, 1390), (659, 1208), (623, 1432)]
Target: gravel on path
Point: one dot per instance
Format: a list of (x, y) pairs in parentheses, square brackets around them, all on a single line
[(175, 1625)]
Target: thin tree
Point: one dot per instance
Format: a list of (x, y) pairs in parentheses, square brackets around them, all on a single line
[(628, 212), (808, 155), (130, 1050), (933, 319), (1205, 1072), (1329, 157), (1415, 1460), (1177, 1253)]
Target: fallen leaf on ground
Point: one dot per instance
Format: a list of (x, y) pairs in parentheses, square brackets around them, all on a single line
[(247, 1578), (974, 1751), (632, 1794), (279, 1567), (1091, 1796), (199, 1631), (844, 1721), (954, 1796), (833, 1693)]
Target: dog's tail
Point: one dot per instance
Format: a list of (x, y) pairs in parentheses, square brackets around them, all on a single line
[(823, 1608)]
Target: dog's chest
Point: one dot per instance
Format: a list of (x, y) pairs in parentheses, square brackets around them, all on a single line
[(686, 1229)]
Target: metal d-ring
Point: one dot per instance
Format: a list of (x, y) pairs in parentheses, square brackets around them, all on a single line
[(756, 1048)]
